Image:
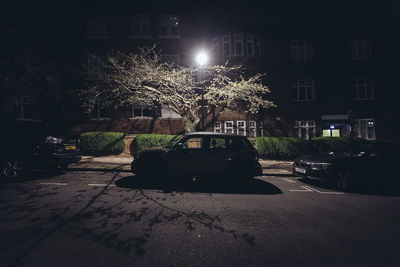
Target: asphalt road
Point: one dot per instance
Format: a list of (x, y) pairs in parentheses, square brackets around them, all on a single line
[(96, 218)]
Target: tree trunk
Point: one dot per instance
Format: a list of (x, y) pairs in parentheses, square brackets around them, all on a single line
[(190, 123)]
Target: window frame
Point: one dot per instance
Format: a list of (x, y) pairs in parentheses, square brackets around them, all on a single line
[(228, 128), (97, 108), (307, 87), (217, 129), (301, 50), (168, 26), (307, 125), (238, 39), (238, 128), (250, 44), (363, 130), (361, 49), (361, 86), (99, 21), (227, 41), (140, 20), (251, 128)]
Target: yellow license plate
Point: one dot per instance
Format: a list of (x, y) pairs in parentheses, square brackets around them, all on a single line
[(71, 147)]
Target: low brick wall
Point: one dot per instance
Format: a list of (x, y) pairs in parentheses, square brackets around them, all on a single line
[(128, 143)]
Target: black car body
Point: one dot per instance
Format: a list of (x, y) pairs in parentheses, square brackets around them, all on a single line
[(374, 165), (27, 146), (201, 155)]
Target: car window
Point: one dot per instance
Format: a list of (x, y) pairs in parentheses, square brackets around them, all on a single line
[(193, 143), (219, 143)]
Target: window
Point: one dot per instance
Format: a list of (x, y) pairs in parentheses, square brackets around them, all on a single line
[(215, 47), (217, 127), (331, 133), (226, 46), (361, 49), (23, 108), (303, 90), (140, 26), (257, 48), (238, 44), (141, 112), (301, 50), (168, 113), (228, 127), (363, 89), (193, 143), (169, 26), (100, 111), (173, 59), (96, 64), (241, 128), (219, 143), (252, 129), (365, 128), (96, 26), (304, 129), (250, 45)]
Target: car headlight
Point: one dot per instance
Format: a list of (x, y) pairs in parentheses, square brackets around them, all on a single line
[(52, 140), (320, 166)]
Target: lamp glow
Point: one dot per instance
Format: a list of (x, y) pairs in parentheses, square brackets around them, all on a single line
[(201, 59)]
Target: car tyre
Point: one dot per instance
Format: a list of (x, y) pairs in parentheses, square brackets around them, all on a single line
[(345, 181), (13, 168)]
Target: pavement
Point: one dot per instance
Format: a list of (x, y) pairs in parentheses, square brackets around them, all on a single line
[(122, 163)]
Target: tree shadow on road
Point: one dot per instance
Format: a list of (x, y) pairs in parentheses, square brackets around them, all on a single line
[(253, 186)]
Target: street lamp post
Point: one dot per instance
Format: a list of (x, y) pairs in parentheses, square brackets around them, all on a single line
[(201, 60)]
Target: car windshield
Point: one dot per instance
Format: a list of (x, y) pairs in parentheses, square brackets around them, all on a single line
[(175, 140)]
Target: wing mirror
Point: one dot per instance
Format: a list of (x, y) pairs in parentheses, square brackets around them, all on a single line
[(179, 146)]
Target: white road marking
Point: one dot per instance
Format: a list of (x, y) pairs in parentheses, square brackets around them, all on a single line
[(101, 184), (285, 171), (321, 192), (289, 180), (54, 183), (300, 190)]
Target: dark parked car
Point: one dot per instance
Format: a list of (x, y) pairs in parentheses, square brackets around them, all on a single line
[(27, 146), (201, 155), (372, 165)]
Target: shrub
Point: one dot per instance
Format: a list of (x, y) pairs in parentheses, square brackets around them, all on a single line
[(102, 143), (144, 141), (281, 147)]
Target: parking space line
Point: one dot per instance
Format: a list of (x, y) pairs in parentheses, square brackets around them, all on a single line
[(54, 183), (289, 180), (285, 171), (323, 192), (301, 190), (101, 184)]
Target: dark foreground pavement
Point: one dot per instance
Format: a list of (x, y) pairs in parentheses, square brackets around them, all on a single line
[(111, 218)]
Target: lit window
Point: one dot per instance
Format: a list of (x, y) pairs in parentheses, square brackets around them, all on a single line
[(365, 128), (305, 129), (96, 26), (250, 45), (228, 127), (100, 111), (226, 46), (241, 128), (361, 49), (140, 26), (169, 26), (301, 50), (303, 90), (217, 127), (23, 108), (363, 89), (238, 44), (252, 129)]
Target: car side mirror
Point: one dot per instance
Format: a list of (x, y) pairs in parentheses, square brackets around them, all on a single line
[(179, 146)]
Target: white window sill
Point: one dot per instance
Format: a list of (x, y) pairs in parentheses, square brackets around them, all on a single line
[(140, 118), (169, 36), (97, 37), (100, 119), (164, 118)]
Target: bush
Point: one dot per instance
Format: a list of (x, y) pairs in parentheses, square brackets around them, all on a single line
[(281, 147), (102, 143), (144, 141)]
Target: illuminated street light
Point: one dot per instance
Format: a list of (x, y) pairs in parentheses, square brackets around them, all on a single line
[(201, 59)]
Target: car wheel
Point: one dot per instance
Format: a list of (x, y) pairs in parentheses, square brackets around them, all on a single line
[(12, 168), (345, 181)]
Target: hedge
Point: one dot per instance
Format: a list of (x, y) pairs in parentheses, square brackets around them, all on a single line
[(336, 144), (102, 143), (281, 147), (144, 141)]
